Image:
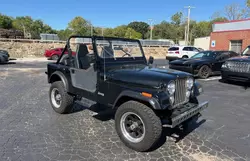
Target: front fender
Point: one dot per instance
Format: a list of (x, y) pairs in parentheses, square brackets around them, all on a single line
[(59, 76), (137, 96)]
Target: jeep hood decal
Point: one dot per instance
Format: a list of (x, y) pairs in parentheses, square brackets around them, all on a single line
[(144, 75)]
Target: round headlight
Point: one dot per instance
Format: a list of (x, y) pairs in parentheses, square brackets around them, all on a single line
[(171, 88), (188, 93), (190, 83)]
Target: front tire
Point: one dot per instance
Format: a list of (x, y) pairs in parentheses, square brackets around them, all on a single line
[(137, 126), (60, 100), (204, 72)]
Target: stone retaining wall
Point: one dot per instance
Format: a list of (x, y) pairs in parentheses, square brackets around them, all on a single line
[(36, 49)]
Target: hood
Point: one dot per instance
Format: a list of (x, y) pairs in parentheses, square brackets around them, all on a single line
[(240, 58), (189, 61), (144, 75)]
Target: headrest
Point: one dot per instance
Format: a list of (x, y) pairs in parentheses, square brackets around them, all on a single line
[(82, 50)]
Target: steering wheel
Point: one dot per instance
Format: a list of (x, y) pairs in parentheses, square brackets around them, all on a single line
[(126, 53)]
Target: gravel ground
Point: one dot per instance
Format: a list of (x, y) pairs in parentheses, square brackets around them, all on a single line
[(31, 130)]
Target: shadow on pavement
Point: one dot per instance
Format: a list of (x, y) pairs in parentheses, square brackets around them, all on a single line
[(241, 84), (103, 113), (178, 133), (7, 63)]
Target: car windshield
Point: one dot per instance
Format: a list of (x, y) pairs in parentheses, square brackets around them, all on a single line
[(205, 55), (118, 49), (246, 52)]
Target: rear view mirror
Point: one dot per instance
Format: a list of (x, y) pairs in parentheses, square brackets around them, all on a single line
[(151, 60)]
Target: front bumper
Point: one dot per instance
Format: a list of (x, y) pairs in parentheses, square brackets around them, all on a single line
[(235, 76), (177, 120)]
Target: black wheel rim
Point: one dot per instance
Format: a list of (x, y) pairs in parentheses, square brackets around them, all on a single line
[(205, 71)]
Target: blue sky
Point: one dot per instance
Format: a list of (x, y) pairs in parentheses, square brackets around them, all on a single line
[(110, 13)]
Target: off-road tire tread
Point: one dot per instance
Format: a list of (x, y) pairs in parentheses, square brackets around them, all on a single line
[(151, 117), (67, 100)]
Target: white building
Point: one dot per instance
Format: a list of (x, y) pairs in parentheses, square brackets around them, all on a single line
[(202, 42)]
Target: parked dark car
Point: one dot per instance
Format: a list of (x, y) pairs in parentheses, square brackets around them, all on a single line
[(203, 64), (117, 74), (55, 53), (237, 68), (4, 56)]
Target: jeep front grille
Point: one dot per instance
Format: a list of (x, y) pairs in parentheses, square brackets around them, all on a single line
[(242, 67), (180, 92)]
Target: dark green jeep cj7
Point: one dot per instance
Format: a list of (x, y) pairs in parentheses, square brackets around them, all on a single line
[(114, 72)]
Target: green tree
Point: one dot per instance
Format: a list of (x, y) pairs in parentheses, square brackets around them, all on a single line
[(165, 30), (80, 26), (64, 34), (141, 27), (108, 32), (132, 34), (5, 22), (176, 18), (23, 23), (30, 26), (120, 31)]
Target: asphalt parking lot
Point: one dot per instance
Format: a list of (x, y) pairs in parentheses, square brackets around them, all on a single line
[(31, 130)]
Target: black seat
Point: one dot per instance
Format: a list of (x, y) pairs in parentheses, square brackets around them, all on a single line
[(83, 59)]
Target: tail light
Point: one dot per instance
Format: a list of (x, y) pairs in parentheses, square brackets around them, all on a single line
[(177, 52)]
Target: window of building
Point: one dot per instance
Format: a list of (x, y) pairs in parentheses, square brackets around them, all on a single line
[(236, 46)]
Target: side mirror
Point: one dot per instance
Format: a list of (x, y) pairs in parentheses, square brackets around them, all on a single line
[(151, 60)]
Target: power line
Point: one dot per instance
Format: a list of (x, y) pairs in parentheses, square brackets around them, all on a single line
[(189, 10)]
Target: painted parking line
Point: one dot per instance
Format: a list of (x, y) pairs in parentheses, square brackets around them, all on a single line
[(211, 78)]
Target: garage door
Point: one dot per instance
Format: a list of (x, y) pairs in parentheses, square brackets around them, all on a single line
[(236, 46)]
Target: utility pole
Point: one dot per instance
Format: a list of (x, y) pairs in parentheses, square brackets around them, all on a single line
[(102, 31), (185, 35), (91, 30), (151, 28), (188, 23)]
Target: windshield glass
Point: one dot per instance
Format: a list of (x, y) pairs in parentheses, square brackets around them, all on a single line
[(246, 52), (118, 49), (205, 55)]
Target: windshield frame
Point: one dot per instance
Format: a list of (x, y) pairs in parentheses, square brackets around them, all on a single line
[(247, 49), (118, 59)]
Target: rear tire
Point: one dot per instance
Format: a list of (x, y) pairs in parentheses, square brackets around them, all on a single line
[(204, 72), (60, 100), (137, 126), (185, 56)]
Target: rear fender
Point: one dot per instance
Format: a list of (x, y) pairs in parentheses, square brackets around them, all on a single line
[(59, 76)]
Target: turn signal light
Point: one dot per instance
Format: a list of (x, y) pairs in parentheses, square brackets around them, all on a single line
[(146, 94)]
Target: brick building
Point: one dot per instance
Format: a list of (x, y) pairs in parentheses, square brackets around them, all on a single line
[(230, 35)]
